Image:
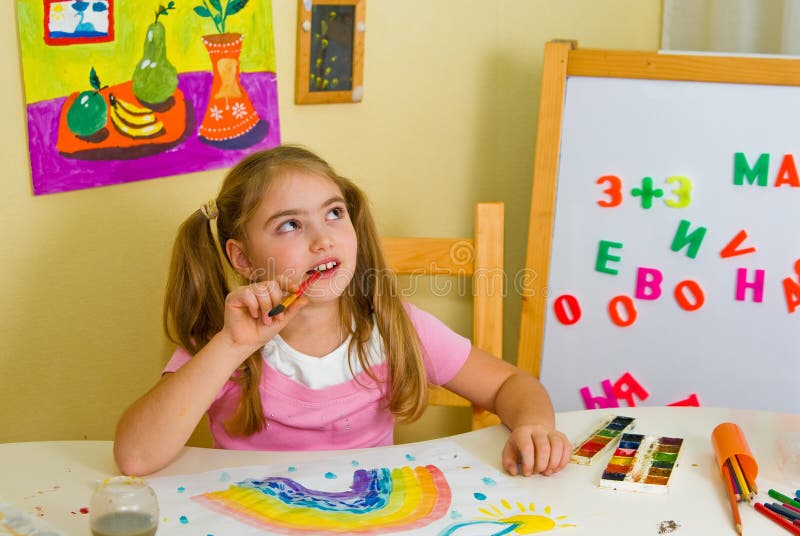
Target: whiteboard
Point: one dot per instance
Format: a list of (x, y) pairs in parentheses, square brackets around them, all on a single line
[(728, 352)]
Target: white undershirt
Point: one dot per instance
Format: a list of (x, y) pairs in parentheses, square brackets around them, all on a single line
[(319, 372)]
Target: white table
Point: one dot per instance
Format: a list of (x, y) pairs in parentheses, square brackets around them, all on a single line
[(55, 479)]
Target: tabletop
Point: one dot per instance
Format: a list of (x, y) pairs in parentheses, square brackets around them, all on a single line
[(55, 480)]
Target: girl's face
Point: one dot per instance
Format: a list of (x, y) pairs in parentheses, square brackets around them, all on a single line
[(302, 225)]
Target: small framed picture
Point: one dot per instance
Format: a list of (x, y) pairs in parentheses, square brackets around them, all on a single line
[(70, 22), (330, 51)]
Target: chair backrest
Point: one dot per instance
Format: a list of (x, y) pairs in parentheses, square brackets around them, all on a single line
[(481, 258)]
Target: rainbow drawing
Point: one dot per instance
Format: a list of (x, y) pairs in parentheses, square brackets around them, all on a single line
[(378, 501)]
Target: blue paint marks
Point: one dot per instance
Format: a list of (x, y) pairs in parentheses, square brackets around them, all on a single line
[(498, 528), (355, 463), (369, 491), (455, 515), (224, 477), (292, 469), (184, 520), (480, 496), (410, 458), (488, 481), (330, 476), (181, 489)]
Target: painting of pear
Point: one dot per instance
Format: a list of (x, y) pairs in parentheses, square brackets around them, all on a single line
[(155, 78)]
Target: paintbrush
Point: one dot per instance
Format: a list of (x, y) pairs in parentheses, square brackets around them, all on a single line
[(288, 300)]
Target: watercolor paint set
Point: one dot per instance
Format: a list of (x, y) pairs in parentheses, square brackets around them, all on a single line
[(602, 440), (642, 463)]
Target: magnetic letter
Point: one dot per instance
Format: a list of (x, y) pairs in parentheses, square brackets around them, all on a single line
[(648, 283), (627, 387), (695, 290), (742, 285), (742, 170), (787, 174), (592, 402), (629, 307), (690, 400), (603, 257), (791, 289), (731, 250), (567, 309), (683, 238)]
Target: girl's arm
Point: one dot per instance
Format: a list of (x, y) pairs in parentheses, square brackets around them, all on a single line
[(152, 431), (524, 406)]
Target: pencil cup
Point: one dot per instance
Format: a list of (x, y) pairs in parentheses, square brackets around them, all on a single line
[(729, 441)]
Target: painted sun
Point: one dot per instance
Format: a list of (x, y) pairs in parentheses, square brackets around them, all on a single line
[(507, 519)]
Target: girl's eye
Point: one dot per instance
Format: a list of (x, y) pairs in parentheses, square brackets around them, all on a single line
[(288, 226), (336, 213)]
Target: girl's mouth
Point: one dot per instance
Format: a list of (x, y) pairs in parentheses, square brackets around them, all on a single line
[(325, 268)]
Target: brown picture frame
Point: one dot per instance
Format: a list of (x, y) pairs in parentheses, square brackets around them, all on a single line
[(330, 51)]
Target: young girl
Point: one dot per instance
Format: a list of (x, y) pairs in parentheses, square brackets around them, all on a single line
[(333, 370)]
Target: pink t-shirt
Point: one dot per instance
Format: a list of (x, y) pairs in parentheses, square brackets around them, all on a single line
[(317, 403)]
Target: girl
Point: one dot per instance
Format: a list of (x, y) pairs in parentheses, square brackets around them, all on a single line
[(333, 370)]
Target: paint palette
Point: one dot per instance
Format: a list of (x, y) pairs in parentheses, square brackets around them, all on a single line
[(642, 463), (602, 440)]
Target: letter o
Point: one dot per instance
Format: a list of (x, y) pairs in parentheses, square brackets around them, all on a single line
[(567, 309), (628, 305), (694, 289)]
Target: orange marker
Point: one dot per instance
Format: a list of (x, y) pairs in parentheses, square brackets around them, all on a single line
[(288, 300)]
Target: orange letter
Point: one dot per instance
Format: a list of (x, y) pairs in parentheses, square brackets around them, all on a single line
[(629, 307)]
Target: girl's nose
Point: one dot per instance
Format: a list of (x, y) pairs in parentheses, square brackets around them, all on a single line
[(322, 240)]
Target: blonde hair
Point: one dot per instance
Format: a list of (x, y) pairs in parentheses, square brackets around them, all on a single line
[(194, 302)]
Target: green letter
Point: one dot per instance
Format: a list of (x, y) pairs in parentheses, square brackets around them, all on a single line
[(682, 238), (742, 170), (603, 257)]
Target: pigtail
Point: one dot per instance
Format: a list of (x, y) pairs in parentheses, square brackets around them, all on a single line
[(194, 301), (374, 290)]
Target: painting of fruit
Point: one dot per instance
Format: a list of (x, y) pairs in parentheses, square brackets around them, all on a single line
[(173, 99)]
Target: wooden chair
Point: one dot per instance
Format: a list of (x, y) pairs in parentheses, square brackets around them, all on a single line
[(481, 258)]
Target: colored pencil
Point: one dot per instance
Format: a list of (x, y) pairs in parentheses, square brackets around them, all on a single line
[(783, 498), (288, 300), (727, 477), (792, 508), (740, 478), (783, 510), (751, 483), (734, 485), (776, 518)]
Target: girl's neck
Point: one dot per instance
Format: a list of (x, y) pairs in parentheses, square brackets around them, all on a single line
[(315, 331)]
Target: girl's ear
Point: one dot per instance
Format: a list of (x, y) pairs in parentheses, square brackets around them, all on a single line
[(238, 257)]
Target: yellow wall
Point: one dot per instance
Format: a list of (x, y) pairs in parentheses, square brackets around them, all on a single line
[(448, 119)]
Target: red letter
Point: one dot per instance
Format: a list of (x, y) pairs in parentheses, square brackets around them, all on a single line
[(695, 290), (627, 387), (731, 251), (787, 174), (691, 400), (791, 289), (563, 306)]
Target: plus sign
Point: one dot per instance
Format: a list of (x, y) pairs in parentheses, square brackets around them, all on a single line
[(647, 192)]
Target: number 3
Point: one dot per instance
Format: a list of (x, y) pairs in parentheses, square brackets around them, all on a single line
[(614, 190)]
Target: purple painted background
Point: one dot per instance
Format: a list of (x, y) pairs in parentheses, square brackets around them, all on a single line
[(52, 173)]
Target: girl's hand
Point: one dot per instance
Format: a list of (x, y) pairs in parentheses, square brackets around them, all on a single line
[(247, 323), (536, 449)]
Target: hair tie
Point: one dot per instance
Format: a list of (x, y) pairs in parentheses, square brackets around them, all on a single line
[(209, 209)]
